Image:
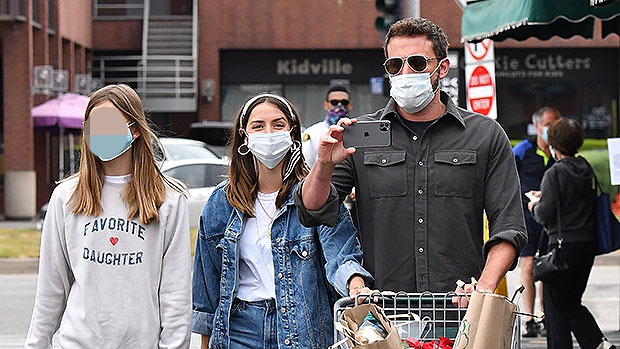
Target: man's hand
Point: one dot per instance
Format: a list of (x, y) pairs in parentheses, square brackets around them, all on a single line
[(331, 149)]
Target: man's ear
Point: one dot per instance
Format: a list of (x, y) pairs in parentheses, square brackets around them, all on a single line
[(444, 68)]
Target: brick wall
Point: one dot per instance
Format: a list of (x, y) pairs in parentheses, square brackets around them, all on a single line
[(279, 24)]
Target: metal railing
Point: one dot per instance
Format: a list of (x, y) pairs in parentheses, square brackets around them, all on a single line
[(145, 39), (118, 9), (167, 76), (12, 9)]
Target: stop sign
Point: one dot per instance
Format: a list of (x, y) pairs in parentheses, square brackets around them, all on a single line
[(480, 90)]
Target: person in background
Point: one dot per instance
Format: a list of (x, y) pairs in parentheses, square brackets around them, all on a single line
[(533, 158), (115, 262), (261, 279), (337, 105), (569, 187)]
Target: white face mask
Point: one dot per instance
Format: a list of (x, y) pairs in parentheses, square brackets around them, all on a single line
[(270, 148), (413, 92), (552, 151)]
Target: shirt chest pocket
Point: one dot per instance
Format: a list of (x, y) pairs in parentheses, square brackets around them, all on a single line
[(454, 172), (386, 173), (304, 249)]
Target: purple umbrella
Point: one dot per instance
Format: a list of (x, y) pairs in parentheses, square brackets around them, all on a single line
[(66, 111)]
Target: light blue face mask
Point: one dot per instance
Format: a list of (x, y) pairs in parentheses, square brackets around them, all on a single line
[(109, 147), (544, 135)]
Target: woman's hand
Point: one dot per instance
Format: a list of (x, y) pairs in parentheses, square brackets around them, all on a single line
[(357, 286)]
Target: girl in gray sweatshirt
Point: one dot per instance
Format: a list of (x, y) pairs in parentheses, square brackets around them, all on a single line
[(114, 269)]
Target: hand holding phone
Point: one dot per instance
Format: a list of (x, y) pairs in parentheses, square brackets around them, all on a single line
[(364, 134)]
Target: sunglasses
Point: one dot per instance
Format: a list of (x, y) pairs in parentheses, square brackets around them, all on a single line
[(335, 102), (417, 63)]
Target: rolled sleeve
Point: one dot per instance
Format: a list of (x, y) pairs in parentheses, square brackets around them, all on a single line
[(517, 238), (202, 323), (325, 215), (345, 272)]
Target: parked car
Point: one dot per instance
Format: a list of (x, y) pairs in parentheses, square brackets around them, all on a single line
[(201, 177), (184, 149)]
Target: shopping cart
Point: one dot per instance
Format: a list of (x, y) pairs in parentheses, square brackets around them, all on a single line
[(424, 316)]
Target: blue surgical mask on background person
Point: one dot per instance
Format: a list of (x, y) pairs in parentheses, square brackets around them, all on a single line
[(335, 114), (109, 147), (413, 92), (270, 148), (544, 135)]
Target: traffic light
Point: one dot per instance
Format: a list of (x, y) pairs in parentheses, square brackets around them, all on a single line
[(390, 11)]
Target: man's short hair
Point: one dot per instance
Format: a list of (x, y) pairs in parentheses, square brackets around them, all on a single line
[(566, 135), (537, 116), (419, 26), (337, 88)]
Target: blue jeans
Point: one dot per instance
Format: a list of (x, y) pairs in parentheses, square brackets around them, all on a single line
[(253, 324)]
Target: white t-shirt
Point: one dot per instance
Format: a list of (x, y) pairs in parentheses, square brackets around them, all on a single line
[(256, 275)]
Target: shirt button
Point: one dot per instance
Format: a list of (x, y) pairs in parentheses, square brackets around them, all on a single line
[(455, 160), (420, 250), (287, 341), (420, 220), (383, 161), (304, 253), (283, 310), (280, 275), (278, 240), (415, 138), (420, 191), (421, 163)]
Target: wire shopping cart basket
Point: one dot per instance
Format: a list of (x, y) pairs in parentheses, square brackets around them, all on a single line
[(424, 316)]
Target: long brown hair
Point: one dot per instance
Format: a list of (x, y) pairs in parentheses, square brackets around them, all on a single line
[(242, 187), (146, 190)]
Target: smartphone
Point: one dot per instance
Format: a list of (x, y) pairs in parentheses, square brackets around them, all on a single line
[(364, 134)]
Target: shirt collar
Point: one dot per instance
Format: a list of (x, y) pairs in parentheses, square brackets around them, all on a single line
[(451, 108)]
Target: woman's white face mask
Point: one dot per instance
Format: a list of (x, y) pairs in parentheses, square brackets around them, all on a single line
[(270, 148), (553, 154)]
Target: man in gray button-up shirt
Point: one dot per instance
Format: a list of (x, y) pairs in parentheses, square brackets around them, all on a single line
[(420, 201)]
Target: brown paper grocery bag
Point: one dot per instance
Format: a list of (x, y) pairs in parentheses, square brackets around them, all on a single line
[(488, 323), (353, 317)]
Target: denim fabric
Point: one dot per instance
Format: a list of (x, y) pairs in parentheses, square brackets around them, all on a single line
[(304, 260), (253, 325)]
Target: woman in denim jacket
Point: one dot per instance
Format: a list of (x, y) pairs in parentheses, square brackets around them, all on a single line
[(261, 278)]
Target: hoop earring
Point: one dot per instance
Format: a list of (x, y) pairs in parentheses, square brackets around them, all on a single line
[(241, 152)]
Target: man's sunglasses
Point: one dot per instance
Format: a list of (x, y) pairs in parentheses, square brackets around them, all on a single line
[(335, 102), (417, 63)]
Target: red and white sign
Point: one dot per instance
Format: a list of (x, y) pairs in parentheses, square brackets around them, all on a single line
[(480, 78), (481, 91), (479, 52)]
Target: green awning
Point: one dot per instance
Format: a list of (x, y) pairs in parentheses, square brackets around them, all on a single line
[(543, 19)]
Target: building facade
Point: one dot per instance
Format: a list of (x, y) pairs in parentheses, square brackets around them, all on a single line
[(35, 33), (197, 61)]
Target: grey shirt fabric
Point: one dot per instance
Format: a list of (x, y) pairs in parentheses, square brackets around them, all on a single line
[(420, 201)]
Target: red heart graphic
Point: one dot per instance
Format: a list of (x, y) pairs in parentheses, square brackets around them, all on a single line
[(113, 240)]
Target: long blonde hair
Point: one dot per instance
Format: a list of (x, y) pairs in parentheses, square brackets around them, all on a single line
[(146, 190), (242, 188)]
